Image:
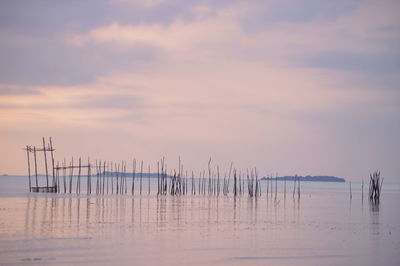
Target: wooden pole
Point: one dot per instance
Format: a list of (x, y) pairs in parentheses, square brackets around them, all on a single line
[(71, 173), (58, 178), (52, 161), (117, 169), (97, 176), (350, 191), (89, 184), (234, 183), (133, 175), (276, 185), (112, 179), (218, 181), (34, 156), (229, 178), (125, 184), (29, 169), (103, 178), (285, 188), (209, 176), (148, 192), (108, 172), (123, 177), (45, 163), (294, 185), (298, 188), (158, 177), (256, 177), (141, 176), (78, 183), (362, 191), (64, 175)]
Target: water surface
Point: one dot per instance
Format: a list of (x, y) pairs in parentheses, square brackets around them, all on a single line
[(323, 227)]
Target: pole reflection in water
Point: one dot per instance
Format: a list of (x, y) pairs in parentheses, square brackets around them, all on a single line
[(47, 215), (197, 229)]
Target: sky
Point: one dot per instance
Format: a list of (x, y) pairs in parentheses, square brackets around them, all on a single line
[(290, 87)]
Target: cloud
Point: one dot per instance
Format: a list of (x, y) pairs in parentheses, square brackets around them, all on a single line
[(260, 81), (264, 14), (142, 3), (42, 61), (9, 90), (373, 63), (110, 101)]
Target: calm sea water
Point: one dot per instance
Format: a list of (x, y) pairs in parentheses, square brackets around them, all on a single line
[(324, 227)]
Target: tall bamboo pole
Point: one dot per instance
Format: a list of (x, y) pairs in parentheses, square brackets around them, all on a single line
[(52, 162), (64, 175), (71, 175), (29, 169), (141, 176), (34, 156), (148, 192), (78, 183), (133, 175), (45, 162)]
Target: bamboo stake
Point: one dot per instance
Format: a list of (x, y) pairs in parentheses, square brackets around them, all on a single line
[(58, 178), (45, 162), (285, 187), (294, 185), (199, 183), (89, 183), (148, 192), (108, 172), (234, 183), (298, 188), (104, 174), (141, 176), (36, 176), (276, 185), (117, 179), (65, 175), (256, 178), (29, 169), (158, 178), (133, 175), (218, 183), (193, 185), (229, 177), (70, 176), (78, 183), (52, 160), (112, 172), (362, 190), (209, 176), (350, 191)]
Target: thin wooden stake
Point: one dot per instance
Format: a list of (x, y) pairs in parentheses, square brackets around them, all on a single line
[(29, 169), (45, 162), (52, 161), (141, 176), (36, 176)]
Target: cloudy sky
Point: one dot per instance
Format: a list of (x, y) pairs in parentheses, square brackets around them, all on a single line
[(305, 86)]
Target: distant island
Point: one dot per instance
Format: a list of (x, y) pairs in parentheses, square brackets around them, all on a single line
[(308, 178)]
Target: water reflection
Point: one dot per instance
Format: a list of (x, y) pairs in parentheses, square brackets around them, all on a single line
[(374, 216), (89, 216), (115, 227)]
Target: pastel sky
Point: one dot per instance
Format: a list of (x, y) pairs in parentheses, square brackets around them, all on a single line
[(304, 86)]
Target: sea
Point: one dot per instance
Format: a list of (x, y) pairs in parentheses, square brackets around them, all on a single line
[(326, 225)]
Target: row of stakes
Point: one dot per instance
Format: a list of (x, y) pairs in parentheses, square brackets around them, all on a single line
[(113, 178)]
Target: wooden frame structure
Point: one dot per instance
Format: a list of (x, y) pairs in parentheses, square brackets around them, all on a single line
[(33, 149)]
